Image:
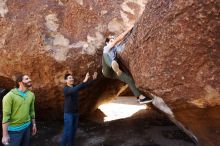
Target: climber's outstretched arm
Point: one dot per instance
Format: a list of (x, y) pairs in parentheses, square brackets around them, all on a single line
[(119, 38)]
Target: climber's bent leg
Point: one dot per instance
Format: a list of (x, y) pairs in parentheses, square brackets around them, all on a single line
[(116, 68)]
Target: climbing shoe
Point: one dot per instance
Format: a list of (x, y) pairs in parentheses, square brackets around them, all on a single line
[(144, 100)]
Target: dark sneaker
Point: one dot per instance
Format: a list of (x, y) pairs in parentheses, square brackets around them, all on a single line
[(145, 100)]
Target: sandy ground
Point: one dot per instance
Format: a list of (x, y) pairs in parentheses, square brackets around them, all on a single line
[(144, 128)]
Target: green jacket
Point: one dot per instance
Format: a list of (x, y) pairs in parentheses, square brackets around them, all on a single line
[(18, 110)]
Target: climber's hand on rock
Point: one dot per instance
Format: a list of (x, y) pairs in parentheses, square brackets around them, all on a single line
[(130, 27)]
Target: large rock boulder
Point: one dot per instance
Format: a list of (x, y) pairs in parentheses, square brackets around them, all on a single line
[(46, 39), (177, 47)]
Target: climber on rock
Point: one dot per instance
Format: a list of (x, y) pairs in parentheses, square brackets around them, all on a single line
[(111, 68)]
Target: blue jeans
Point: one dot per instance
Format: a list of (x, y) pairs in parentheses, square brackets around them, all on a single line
[(70, 127), (19, 138)]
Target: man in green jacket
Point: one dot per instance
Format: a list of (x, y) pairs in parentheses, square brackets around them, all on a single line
[(18, 114)]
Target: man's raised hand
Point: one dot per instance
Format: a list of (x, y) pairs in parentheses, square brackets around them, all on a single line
[(87, 77), (94, 76)]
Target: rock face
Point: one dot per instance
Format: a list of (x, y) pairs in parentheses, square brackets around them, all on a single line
[(177, 47), (46, 39)]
